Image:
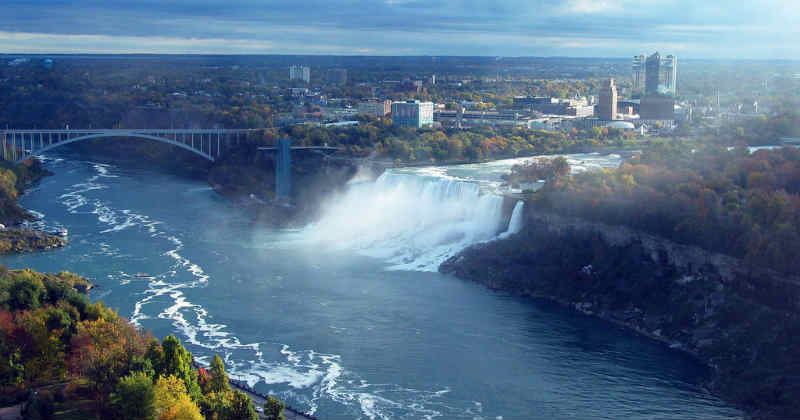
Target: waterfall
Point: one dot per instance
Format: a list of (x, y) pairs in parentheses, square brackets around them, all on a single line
[(413, 221), (515, 225)]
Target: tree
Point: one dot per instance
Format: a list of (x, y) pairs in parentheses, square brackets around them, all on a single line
[(216, 406), (219, 380), (25, 294), (172, 401), (241, 406), (228, 405), (183, 409), (547, 169), (104, 350), (43, 351), (177, 361), (273, 409), (135, 398)]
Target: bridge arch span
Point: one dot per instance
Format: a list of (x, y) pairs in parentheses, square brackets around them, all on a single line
[(165, 140)]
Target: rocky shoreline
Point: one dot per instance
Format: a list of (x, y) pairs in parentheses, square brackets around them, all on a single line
[(19, 240), (739, 320)]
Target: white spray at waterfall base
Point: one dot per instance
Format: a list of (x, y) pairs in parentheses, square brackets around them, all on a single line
[(414, 222)]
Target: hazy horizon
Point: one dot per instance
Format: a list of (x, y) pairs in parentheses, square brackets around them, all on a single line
[(549, 57), (541, 28)]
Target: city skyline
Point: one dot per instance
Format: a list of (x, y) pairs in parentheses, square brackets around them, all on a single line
[(575, 28)]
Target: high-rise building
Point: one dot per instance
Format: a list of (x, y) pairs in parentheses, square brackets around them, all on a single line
[(638, 72), (412, 113), (652, 74), (670, 78), (300, 73), (660, 74), (607, 106)]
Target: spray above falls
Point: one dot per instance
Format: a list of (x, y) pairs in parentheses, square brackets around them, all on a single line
[(413, 221)]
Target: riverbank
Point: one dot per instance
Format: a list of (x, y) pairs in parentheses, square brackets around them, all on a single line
[(711, 306), (14, 180), (18, 240)]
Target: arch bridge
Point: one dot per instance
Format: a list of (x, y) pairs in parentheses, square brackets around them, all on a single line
[(19, 145)]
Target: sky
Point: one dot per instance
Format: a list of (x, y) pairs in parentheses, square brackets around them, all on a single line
[(735, 29)]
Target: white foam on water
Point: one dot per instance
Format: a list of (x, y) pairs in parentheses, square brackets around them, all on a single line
[(41, 223), (103, 170)]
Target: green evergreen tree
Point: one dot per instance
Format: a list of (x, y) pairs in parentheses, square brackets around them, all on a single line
[(242, 407), (177, 361), (219, 380), (135, 398)]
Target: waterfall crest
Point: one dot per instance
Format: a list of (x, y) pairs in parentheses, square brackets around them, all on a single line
[(413, 221)]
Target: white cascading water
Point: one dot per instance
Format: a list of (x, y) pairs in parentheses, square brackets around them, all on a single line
[(413, 221), (515, 224)]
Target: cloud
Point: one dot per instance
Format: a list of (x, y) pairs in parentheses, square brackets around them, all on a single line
[(593, 6), (752, 29)]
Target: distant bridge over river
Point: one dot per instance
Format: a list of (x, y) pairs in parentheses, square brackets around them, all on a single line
[(19, 145)]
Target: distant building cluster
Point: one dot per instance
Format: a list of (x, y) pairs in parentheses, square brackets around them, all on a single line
[(300, 73), (655, 74), (651, 102), (655, 80)]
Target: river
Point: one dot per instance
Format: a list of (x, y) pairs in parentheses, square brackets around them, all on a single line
[(348, 317)]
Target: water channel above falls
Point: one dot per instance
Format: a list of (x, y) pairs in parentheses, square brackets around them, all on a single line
[(347, 317)]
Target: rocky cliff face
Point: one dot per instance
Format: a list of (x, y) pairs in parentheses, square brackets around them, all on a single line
[(741, 321)]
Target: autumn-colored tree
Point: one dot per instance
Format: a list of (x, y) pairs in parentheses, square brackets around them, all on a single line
[(42, 349), (204, 380), (172, 402), (105, 350)]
